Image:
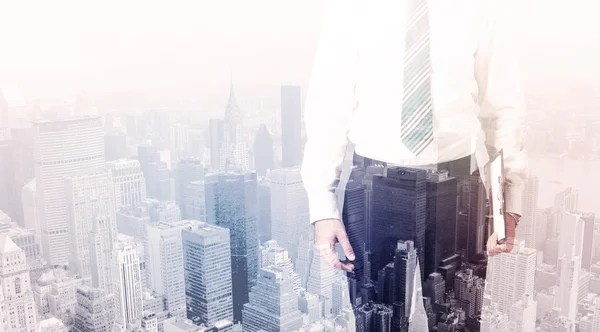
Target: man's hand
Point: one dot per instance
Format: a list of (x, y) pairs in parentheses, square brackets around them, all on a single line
[(506, 245), (327, 233)]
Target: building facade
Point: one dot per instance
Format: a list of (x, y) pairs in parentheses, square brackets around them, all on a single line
[(62, 147)]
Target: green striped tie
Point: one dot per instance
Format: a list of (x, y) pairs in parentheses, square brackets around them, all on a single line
[(417, 109)]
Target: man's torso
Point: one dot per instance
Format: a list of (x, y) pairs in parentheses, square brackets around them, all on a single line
[(456, 28)]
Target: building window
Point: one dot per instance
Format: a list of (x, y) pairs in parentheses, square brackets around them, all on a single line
[(17, 285)]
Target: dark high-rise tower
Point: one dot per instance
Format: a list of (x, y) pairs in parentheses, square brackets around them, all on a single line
[(398, 214), (263, 151), (440, 235), (471, 234), (353, 216), (291, 124), (231, 202)]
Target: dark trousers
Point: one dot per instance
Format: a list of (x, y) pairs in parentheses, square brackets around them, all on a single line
[(404, 220)]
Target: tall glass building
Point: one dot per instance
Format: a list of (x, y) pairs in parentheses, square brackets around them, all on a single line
[(440, 235), (398, 214), (207, 267), (231, 202)]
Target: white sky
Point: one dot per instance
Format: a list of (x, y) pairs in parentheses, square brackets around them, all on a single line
[(58, 46)]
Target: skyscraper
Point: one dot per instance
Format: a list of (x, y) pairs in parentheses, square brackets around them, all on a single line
[(571, 233), (207, 264), (320, 280), (129, 183), (353, 216), (264, 209), (471, 234), (340, 297), (95, 311), (291, 125), (136, 126), (102, 237), (306, 251), (16, 168), (264, 157), (234, 152), (89, 197), (30, 207), (163, 250), (468, 290), (156, 173), (159, 120), (405, 265), (231, 203), (216, 141), (440, 235), (374, 317), (7, 191), (178, 138), (193, 205), (569, 267), (398, 207), (16, 298), (523, 314), (188, 170), (273, 254), (127, 285), (60, 148), (273, 305), (289, 209), (587, 248), (511, 275), (528, 227)]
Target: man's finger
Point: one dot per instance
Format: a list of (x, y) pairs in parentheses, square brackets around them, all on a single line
[(492, 243), (332, 259), (343, 240)]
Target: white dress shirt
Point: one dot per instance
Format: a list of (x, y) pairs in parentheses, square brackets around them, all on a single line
[(355, 92)]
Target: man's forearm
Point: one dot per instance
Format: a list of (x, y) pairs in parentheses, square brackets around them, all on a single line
[(501, 99), (330, 102)]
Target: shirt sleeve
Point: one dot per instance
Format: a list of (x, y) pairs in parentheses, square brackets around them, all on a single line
[(502, 100), (330, 102)]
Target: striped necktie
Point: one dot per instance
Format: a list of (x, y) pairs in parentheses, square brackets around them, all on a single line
[(417, 109)]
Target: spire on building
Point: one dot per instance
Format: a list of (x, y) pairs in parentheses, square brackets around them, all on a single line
[(232, 111)]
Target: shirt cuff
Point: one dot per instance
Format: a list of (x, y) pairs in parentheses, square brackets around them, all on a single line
[(322, 206), (514, 198)]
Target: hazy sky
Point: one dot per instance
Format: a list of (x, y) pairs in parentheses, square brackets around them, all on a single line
[(58, 46)]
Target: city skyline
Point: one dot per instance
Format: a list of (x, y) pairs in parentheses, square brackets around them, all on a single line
[(151, 183)]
